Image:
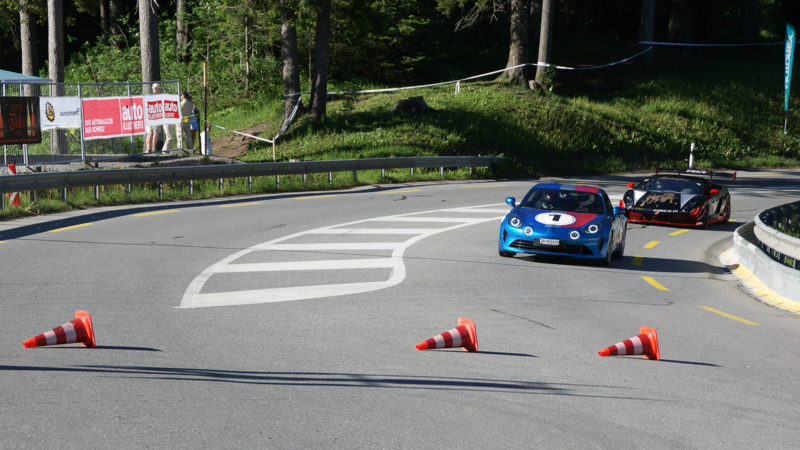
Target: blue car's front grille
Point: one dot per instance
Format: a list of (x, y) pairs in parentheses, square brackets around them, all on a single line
[(571, 249)]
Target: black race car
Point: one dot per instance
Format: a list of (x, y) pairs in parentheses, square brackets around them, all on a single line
[(679, 197)]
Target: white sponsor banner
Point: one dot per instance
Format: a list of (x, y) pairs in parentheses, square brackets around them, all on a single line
[(162, 109), (60, 112)]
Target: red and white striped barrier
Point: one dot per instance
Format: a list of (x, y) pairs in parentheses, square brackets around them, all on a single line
[(464, 335), (646, 343), (78, 330), (13, 197)]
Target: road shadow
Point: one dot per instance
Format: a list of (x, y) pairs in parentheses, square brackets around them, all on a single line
[(322, 379), (632, 264)]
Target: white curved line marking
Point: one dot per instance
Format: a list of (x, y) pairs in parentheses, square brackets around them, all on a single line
[(193, 298)]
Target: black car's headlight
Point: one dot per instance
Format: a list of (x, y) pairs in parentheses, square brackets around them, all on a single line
[(514, 221), (592, 228)]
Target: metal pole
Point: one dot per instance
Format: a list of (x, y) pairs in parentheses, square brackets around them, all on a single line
[(191, 188), (277, 182), (785, 121), (160, 190), (205, 108), (304, 180), (355, 176), (24, 146), (83, 143), (249, 183), (221, 184), (97, 194), (5, 156), (133, 146), (691, 156), (330, 178)]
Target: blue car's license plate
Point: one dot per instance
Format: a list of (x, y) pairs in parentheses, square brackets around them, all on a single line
[(549, 241)]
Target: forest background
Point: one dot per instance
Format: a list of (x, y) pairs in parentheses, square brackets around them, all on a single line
[(726, 100)]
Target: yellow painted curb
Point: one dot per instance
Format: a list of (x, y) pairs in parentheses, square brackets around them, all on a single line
[(761, 290)]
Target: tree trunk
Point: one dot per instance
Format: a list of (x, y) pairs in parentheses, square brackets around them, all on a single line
[(28, 35), (319, 86), (148, 32), (545, 44), (518, 52), (55, 55), (534, 24), (104, 21), (182, 32), (114, 13), (646, 32), (291, 64), (680, 24), (750, 16), (567, 16)]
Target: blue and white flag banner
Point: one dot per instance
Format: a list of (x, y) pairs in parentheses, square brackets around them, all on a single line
[(788, 57)]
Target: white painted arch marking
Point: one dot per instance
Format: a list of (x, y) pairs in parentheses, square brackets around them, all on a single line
[(194, 298)]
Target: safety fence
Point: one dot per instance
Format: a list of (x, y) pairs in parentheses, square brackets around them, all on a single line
[(83, 178), (771, 227), (77, 147)]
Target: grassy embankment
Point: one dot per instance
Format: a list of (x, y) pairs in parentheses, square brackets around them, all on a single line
[(731, 110)]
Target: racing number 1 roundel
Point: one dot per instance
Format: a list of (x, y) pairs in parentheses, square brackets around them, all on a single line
[(553, 218)]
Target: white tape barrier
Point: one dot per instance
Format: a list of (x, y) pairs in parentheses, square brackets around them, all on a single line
[(458, 82), (240, 133), (282, 130), (678, 44)]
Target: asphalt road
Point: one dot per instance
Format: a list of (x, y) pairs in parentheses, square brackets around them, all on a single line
[(289, 321)]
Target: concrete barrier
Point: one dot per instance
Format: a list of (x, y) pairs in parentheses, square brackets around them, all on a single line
[(772, 282)]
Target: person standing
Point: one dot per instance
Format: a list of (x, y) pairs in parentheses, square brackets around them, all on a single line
[(186, 114), (153, 132), (194, 122)]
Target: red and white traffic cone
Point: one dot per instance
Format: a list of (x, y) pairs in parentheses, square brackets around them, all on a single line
[(13, 197), (78, 330), (646, 343), (464, 335)]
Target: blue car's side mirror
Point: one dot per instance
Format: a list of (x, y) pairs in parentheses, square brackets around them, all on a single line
[(618, 210), (511, 201)]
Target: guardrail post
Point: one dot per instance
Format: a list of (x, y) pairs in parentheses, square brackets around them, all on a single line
[(249, 183), (97, 194), (441, 173), (129, 189), (304, 180), (160, 190), (412, 172), (277, 182), (355, 176), (191, 188), (221, 184), (383, 174), (64, 194), (470, 170), (33, 198), (330, 178)]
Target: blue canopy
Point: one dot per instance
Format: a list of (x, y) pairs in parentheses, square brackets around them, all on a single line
[(13, 77)]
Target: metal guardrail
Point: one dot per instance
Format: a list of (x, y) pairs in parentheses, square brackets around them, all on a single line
[(81, 178), (769, 225)]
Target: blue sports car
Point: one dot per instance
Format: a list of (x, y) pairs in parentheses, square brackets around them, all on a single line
[(566, 220)]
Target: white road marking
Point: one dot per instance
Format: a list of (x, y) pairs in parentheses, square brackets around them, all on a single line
[(194, 298), (340, 231)]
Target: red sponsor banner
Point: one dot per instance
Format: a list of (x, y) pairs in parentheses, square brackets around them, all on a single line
[(162, 109), (112, 117)]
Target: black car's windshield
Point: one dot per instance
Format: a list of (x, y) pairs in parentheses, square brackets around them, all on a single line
[(672, 184), (559, 200)]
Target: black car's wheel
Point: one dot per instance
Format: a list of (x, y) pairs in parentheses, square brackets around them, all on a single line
[(727, 211), (621, 251), (507, 254)]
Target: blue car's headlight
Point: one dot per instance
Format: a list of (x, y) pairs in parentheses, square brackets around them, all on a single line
[(592, 228), (514, 221), (574, 234)]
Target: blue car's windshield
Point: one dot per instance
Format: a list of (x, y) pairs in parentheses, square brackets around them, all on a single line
[(670, 184), (560, 200)]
